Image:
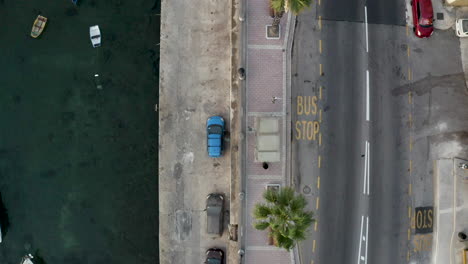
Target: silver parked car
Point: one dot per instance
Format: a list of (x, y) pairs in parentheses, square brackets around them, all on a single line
[(461, 27), (214, 213)]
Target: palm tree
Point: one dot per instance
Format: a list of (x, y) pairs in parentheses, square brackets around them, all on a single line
[(280, 6), (296, 6), (285, 215)]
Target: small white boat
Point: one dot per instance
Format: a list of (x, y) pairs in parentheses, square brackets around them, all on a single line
[(38, 26), (1, 235), (27, 259), (95, 35)]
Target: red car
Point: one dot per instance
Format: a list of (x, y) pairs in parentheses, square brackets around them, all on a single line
[(423, 17)]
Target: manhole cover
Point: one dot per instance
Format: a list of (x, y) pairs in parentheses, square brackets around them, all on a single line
[(306, 190), (440, 16)]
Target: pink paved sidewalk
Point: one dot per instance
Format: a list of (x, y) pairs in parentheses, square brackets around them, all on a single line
[(265, 79)]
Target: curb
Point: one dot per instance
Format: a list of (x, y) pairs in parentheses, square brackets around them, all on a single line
[(237, 143)]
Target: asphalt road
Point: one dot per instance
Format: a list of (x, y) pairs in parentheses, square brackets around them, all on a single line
[(379, 12), (361, 216)]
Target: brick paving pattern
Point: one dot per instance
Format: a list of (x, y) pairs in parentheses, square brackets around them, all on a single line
[(265, 79)]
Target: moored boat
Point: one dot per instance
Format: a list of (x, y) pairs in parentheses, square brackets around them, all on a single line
[(27, 259), (38, 26), (95, 35)]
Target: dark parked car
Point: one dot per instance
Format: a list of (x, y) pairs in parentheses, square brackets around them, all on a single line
[(423, 17), (214, 213), (214, 256)]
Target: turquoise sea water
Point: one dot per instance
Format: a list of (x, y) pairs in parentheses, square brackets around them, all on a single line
[(78, 165)]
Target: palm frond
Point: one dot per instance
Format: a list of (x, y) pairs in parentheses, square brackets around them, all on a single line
[(277, 5), (298, 203), (297, 6), (270, 196), (284, 242), (285, 196), (261, 225), (261, 211)]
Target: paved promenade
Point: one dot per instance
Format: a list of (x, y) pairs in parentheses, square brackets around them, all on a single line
[(267, 103)]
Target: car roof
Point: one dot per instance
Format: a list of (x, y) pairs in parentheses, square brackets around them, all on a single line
[(426, 8)]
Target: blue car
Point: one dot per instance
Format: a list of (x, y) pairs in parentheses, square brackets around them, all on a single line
[(215, 131)]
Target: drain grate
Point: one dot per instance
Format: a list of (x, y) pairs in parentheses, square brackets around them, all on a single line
[(440, 16)]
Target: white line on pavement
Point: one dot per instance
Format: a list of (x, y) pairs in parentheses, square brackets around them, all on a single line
[(360, 241), (366, 155), (367, 97), (368, 167), (367, 34), (367, 236)]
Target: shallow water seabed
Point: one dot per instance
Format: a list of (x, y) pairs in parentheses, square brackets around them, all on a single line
[(78, 177)]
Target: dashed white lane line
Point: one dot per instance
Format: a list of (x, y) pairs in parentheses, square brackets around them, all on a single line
[(367, 236), (360, 240), (367, 32), (366, 182), (365, 170), (367, 97), (363, 239), (368, 167)]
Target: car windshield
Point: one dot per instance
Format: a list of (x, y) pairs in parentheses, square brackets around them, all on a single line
[(213, 261), (215, 129), (465, 26)]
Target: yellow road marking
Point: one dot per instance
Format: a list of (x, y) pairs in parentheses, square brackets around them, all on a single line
[(409, 211), (410, 119), (318, 182), (320, 139), (317, 203), (407, 30), (410, 165), (320, 94), (313, 246), (320, 46), (407, 255), (319, 161), (408, 51), (321, 70), (409, 74), (320, 115), (410, 189), (315, 226), (409, 234), (319, 1), (320, 22), (410, 97)]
